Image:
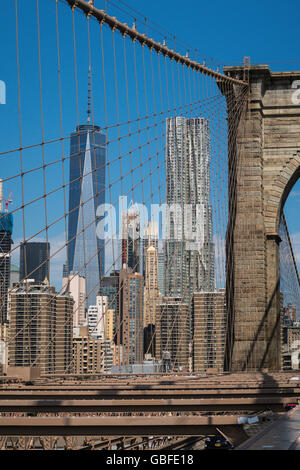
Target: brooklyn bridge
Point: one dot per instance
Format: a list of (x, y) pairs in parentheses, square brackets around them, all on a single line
[(149, 288)]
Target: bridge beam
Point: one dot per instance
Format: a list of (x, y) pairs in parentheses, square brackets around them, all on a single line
[(249, 404), (115, 426)]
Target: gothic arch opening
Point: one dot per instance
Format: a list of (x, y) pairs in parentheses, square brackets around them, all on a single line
[(289, 259)]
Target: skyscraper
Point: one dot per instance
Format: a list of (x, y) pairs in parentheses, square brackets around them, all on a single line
[(75, 286), (34, 261), (130, 331), (209, 316), (189, 250), (109, 287), (41, 327), (172, 328), (109, 325), (150, 238), (161, 271), (6, 227), (131, 240), (86, 192), (152, 295), (96, 317)]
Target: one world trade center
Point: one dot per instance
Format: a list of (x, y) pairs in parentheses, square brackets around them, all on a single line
[(86, 192)]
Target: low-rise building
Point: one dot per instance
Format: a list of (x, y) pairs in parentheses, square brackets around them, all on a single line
[(87, 353)]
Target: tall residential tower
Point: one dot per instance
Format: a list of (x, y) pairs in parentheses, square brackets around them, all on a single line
[(189, 249)]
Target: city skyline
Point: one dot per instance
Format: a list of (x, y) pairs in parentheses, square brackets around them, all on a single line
[(149, 228), (178, 156), (31, 132)]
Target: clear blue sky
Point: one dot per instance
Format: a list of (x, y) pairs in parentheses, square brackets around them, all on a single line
[(266, 30), (222, 32), (225, 32)]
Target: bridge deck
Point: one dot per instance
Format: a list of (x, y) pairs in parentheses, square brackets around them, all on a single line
[(283, 434)]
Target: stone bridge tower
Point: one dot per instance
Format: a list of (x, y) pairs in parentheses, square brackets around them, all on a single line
[(264, 164)]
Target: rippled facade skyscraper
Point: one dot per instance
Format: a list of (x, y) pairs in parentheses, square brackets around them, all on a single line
[(189, 248)]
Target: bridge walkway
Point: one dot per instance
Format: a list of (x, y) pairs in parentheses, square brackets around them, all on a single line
[(282, 434)]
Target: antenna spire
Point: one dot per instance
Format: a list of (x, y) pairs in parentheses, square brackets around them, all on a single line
[(89, 96)]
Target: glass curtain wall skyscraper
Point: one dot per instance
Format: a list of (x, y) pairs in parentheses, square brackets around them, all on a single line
[(189, 248), (34, 261), (86, 192)]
